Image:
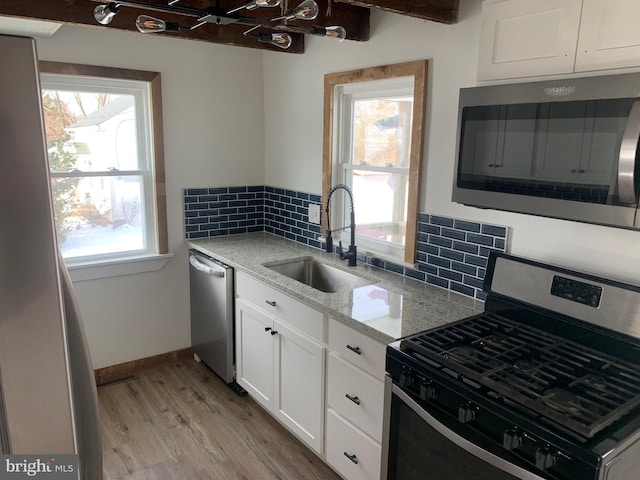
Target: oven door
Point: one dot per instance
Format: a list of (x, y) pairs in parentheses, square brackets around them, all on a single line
[(417, 446)]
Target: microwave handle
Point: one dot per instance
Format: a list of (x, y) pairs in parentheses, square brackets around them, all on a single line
[(627, 156)]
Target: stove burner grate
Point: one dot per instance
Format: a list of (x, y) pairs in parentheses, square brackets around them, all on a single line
[(580, 388)]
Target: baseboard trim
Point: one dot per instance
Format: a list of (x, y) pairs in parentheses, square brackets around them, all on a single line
[(123, 371)]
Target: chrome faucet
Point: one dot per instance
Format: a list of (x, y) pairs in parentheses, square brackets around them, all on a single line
[(351, 254)]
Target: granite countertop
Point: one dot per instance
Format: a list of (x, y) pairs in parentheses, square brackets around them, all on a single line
[(387, 307)]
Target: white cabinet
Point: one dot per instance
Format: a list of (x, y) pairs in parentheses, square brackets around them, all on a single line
[(280, 361), (355, 397), (524, 38), (254, 353), (352, 453), (609, 35), (299, 384)]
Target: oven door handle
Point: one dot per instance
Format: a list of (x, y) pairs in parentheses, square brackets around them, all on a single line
[(627, 156), (462, 442)]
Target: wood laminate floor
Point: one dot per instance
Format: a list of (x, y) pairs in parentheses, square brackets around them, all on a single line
[(180, 422)]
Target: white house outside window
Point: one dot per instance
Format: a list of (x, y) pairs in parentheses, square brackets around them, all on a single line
[(100, 154)]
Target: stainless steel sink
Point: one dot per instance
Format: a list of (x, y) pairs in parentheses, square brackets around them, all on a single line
[(318, 275)]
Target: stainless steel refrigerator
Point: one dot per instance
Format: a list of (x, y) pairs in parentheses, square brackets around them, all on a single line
[(48, 398)]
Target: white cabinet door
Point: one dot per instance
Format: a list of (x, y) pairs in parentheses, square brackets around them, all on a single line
[(609, 35), (523, 38), (299, 384), (254, 352)]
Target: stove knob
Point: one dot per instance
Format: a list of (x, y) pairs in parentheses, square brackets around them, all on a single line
[(467, 412), (406, 378), (545, 458), (427, 390), (511, 439)]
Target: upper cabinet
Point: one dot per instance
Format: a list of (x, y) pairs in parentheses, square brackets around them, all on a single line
[(521, 38), (609, 35)]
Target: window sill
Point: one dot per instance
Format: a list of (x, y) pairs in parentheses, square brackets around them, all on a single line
[(114, 268)]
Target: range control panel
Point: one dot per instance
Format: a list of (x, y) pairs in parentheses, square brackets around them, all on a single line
[(576, 291)]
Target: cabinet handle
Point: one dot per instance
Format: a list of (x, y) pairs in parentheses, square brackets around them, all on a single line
[(582, 171), (351, 457), (355, 350), (491, 165), (355, 399), (266, 329), (274, 332), (272, 303), (573, 170)]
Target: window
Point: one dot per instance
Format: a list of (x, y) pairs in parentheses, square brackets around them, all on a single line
[(104, 138), (374, 122)]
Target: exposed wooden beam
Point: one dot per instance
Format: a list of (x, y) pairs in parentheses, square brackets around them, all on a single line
[(80, 12), (443, 11)]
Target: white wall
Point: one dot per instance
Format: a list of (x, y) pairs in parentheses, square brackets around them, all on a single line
[(213, 135), (293, 134)]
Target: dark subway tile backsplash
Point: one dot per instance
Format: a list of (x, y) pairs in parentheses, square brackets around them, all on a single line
[(451, 253)]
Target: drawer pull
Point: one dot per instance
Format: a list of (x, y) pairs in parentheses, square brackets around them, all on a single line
[(355, 399), (272, 303), (355, 350), (351, 457)]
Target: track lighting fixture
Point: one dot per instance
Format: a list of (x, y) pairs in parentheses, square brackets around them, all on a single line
[(306, 10)]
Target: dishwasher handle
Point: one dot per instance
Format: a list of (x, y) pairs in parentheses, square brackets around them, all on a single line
[(201, 267)]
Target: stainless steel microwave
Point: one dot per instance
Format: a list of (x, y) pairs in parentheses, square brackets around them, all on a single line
[(563, 148)]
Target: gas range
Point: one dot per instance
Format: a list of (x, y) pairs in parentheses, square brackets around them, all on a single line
[(546, 378)]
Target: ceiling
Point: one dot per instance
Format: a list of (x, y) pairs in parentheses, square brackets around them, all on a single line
[(353, 15)]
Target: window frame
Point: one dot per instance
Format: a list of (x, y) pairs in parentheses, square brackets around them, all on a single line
[(157, 195), (333, 137)]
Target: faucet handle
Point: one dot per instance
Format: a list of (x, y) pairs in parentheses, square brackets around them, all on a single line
[(351, 255)]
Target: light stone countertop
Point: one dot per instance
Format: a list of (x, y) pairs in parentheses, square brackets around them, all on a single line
[(388, 308)]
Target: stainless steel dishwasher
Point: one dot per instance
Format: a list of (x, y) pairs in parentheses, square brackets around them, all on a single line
[(212, 325)]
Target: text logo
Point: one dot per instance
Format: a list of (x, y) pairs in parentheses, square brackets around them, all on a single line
[(560, 91), (43, 467)]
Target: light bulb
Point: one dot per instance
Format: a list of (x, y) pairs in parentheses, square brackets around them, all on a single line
[(147, 24), (307, 10), (105, 13), (280, 40), (338, 33)]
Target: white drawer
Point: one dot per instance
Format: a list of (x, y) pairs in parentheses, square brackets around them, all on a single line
[(359, 349), (344, 439), (365, 406), (273, 301)]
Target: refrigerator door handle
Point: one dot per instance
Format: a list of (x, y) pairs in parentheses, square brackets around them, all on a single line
[(205, 268)]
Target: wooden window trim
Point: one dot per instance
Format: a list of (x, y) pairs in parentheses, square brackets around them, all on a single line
[(155, 89), (418, 70)]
